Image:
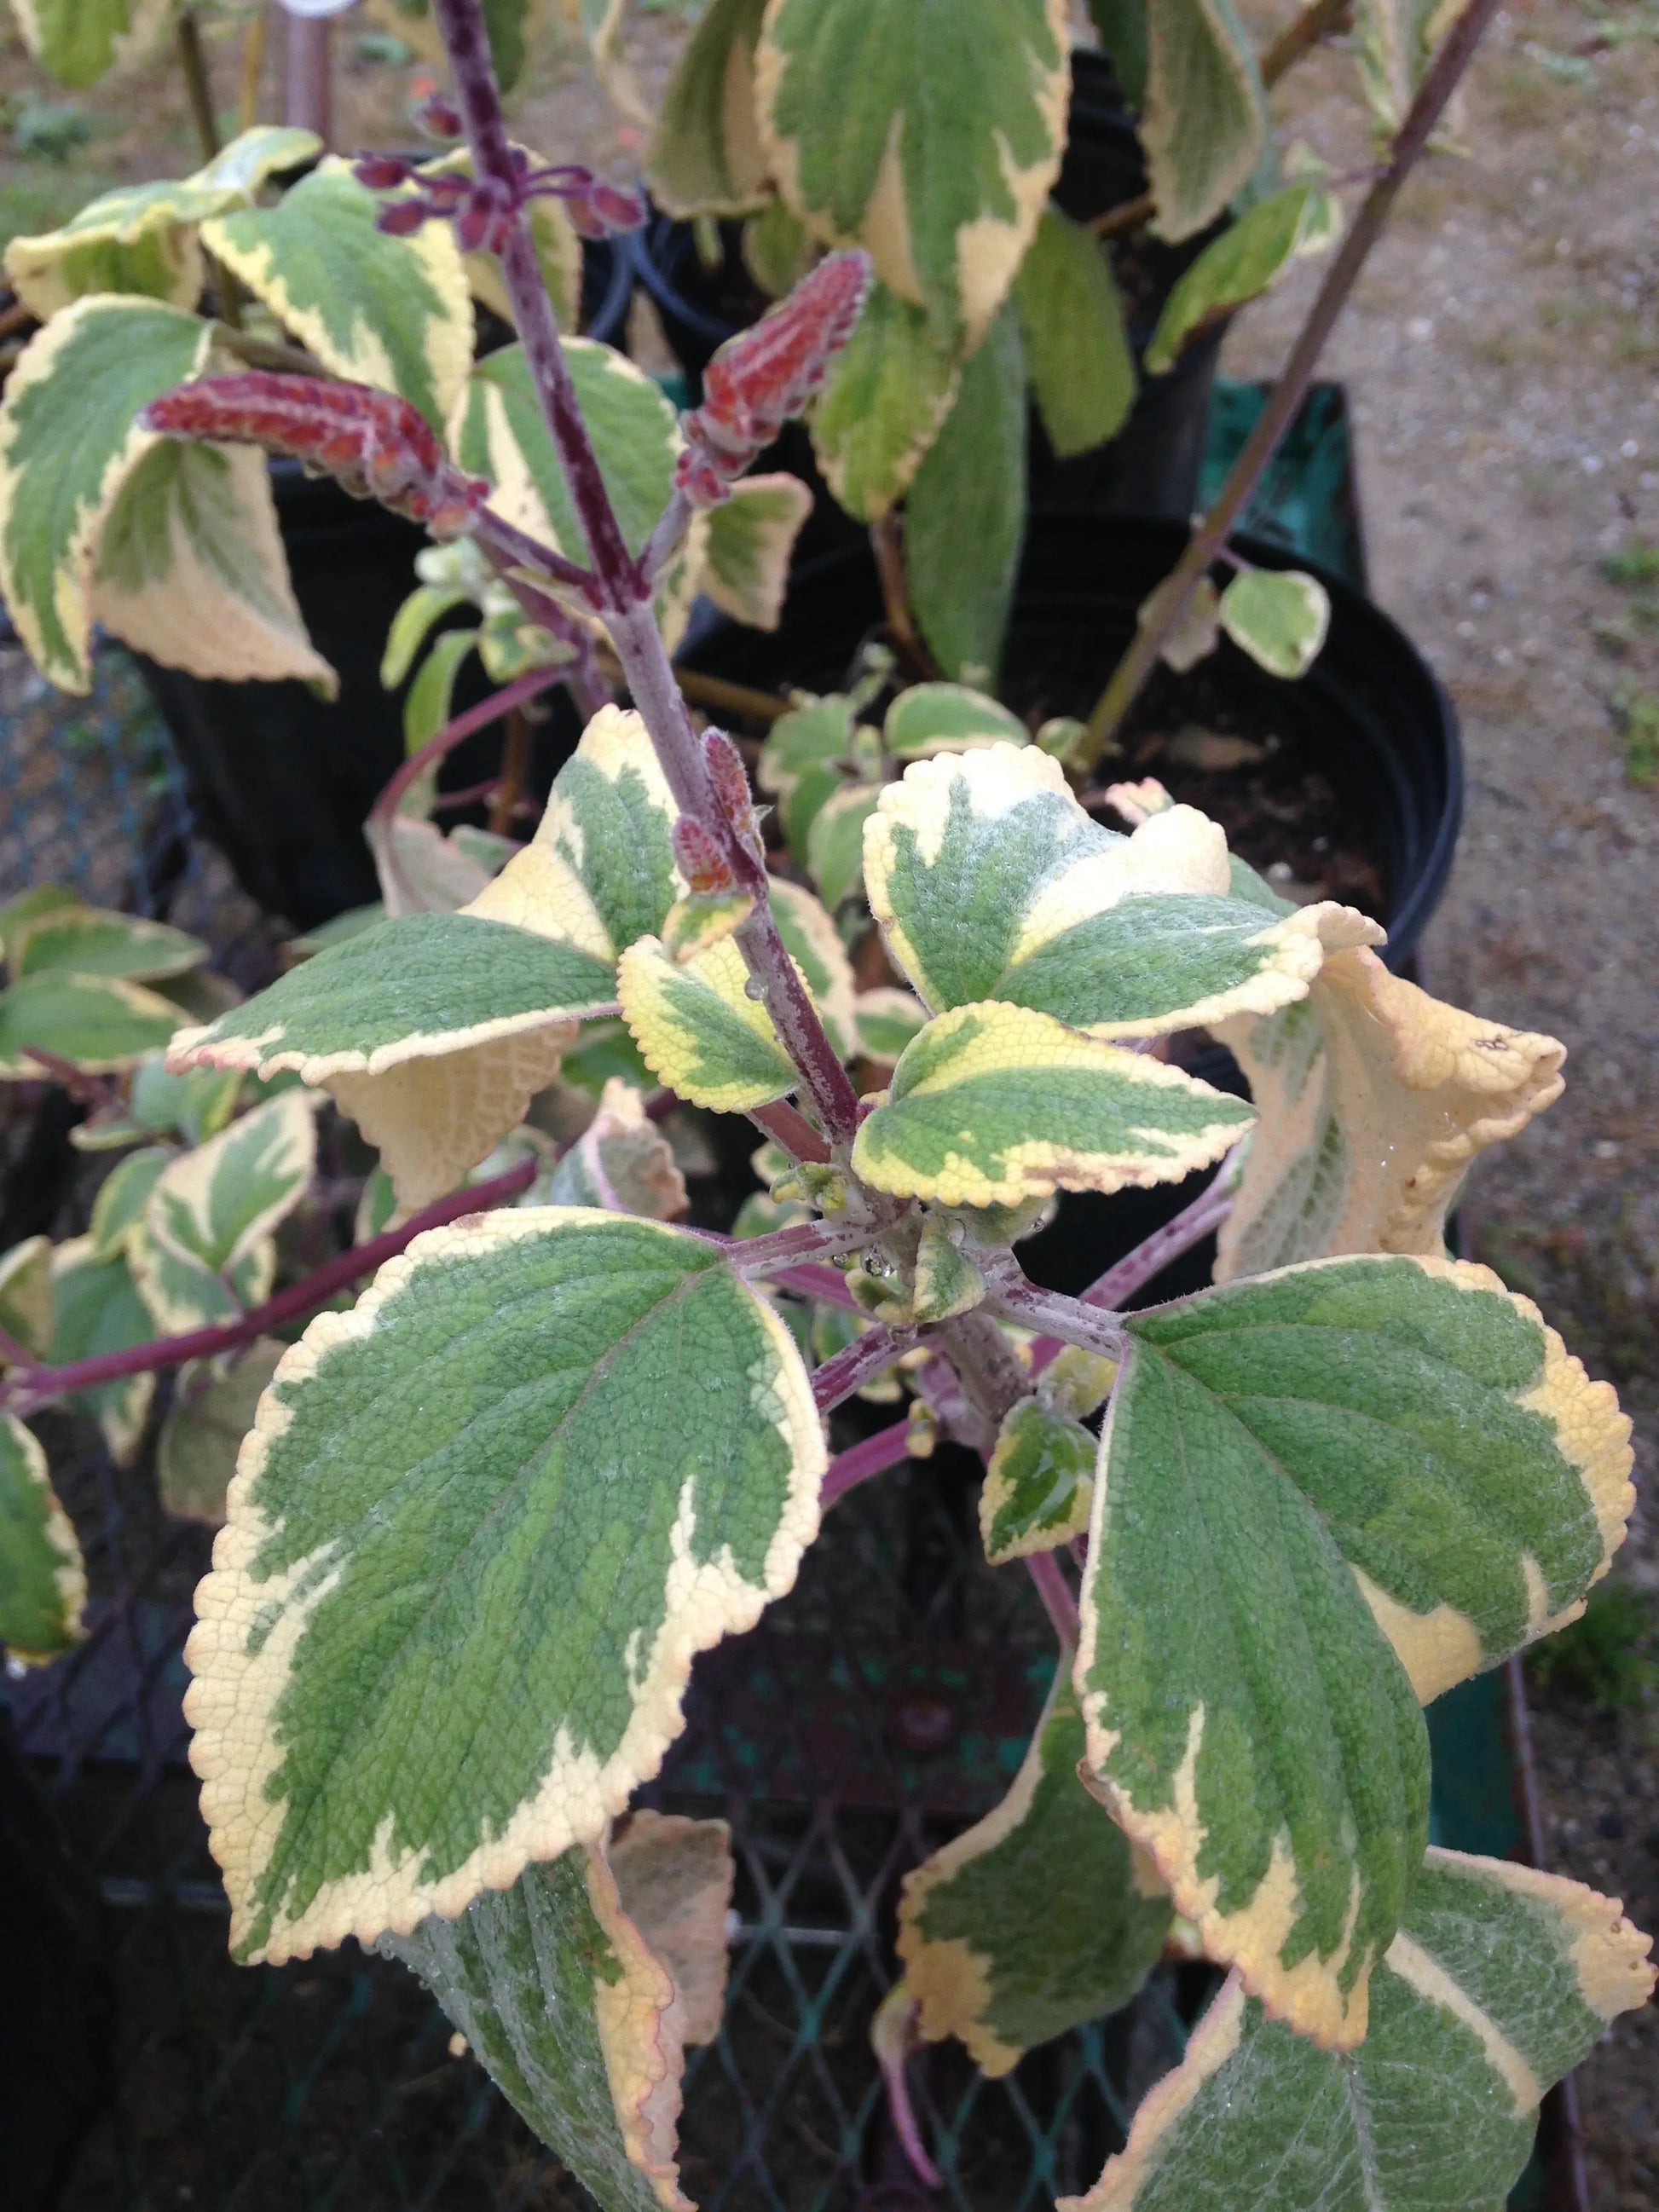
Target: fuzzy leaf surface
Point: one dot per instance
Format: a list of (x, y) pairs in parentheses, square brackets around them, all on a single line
[(1500, 1980), (699, 1031), (989, 881), (891, 386), (1036, 1919), (1278, 1572), (1205, 119), (993, 1104), (504, 1413), (92, 941)]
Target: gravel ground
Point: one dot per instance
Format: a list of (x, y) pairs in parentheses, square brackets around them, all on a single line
[(1503, 359)]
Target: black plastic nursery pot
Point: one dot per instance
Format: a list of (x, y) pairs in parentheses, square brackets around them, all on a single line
[(1151, 467)]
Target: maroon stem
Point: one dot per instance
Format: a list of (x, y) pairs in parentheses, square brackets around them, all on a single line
[(857, 1464), (1055, 1592), (93, 1091), (452, 734), (1148, 1260), (33, 1386), (621, 589), (1008, 1291), (787, 1126), (844, 1375), (802, 1241), (824, 1283)]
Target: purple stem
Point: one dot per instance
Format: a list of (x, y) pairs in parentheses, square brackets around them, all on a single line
[(894, 2050), (872, 1353), (622, 591), (787, 1126), (823, 1283), (1055, 1592), (859, 1462), (802, 1241), (515, 548), (1148, 1260), (35, 1386), (1012, 1293)]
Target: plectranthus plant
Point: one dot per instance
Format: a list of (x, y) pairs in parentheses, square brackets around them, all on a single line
[(485, 1520)]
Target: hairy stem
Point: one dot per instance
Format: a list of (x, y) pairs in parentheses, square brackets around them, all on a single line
[(845, 1375), (888, 1447), (795, 1245), (1012, 1294), (35, 1385), (986, 1365), (1147, 1261), (1168, 605), (624, 594), (825, 1284), (785, 1125)]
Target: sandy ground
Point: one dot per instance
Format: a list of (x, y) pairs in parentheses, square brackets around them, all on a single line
[(1502, 360)]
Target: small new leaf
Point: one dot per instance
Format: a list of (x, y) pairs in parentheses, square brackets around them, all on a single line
[(1039, 1483), (993, 1104), (1279, 616)]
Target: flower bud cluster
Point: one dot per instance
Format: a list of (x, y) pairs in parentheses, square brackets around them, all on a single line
[(483, 209), (764, 377)]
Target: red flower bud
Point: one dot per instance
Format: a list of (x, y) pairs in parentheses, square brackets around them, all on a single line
[(403, 218), (381, 172)]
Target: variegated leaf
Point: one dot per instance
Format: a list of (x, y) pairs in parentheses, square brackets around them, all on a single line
[(1395, 41), (26, 1294), (994, 1104), (118, 1208), (85, 940), (886, 1020), (1500, 1981), (890, 390), (142, 238), (621, 1162), (946, 1282), (191, 569), (96, 1309), (203, 1252), (214, 1403), (934, 718), (101, 1022), (989, 881), (744, 569), (1205, 120), (562, 1451), (496, 430), (939, 149), (1278, 1574), (1279, 617), (78, 41), (1038, 1918), (43, 1578), (1082, 366), (700, 1034), (1375, 1097), (68, 442), (394, 312), (1039, 1483), (571, 1997), (194, 1106), (1250, 255), (705, 156)]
